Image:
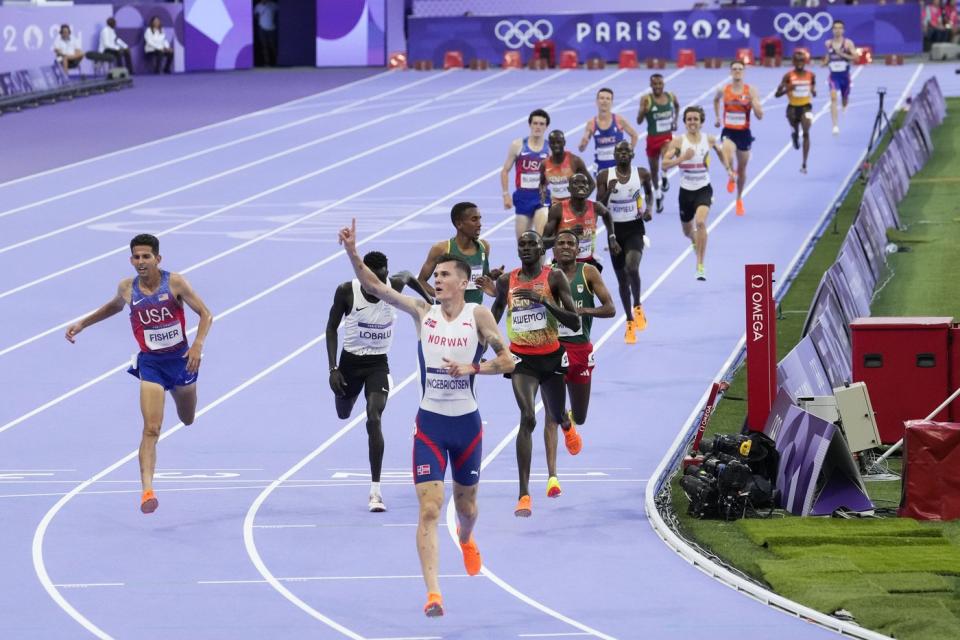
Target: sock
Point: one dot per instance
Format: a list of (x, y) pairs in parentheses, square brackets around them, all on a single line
[(375, 488)]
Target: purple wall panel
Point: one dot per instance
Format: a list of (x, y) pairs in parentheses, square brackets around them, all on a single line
[(29, 32), (801, 373), (132, 20), (351, 33), (218, 34)]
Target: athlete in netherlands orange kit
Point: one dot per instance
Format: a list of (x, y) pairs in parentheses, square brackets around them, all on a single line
[(800, 86), (738, 100)]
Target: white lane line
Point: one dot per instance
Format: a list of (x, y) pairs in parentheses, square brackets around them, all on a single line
[(190, 132), (551, 635), (410, 638), (275, 231), (327, 578), (704, 564), (301, 178), (298, 275), (451, 512), (284, 526), (96, 185), (85, 585)]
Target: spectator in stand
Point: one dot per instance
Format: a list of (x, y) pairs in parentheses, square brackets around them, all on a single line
[(266, 12), (939, 21), (111, 44), (68, 50), (156, 47)]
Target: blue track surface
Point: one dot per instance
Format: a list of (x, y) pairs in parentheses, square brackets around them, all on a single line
[(233, 552)]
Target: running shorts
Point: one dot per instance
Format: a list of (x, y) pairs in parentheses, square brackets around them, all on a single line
[(541, 366), (796, 113), (580, 355), (364, 373), (840, 82), (740, 137), (690, 201), (527, 201), (629, 237), (169, 370), (656, 143), (438, 438)]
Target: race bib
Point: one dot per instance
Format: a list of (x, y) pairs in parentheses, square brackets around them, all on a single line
[(664, 125), (624, 211), (529, 180), (163, 337), (605, 153), (532, 318), (735, 118), (440, 385), (476, 271), (560, 189), (373, 335), (838, 66), (585, 250), (801, 90)]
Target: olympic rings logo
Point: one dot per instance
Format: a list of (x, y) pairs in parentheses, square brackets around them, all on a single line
[(524, 33), (803, 26)]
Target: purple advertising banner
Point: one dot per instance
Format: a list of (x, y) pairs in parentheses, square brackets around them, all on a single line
[(855, 275), (874, 259), (352, 33), (218, 34), (132, 20), (24, 81), (801, 373), (880, 203), (802, 441), (28, 33), (887, 28), (836, 362), (848, 304), (854, 250), (908, 150), (871, 229)]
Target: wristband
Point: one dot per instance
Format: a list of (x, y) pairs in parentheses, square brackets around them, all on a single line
[(612, 235), (332, 369), (476, 368)]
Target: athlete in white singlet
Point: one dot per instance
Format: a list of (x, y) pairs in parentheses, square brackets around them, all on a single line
[(691, 152), (452, 335)]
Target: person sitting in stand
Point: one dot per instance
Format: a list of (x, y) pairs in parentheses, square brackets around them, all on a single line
[(68, 50), (157, 47)]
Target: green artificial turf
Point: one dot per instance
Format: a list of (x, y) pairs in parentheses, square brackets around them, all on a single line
[(896, 576)]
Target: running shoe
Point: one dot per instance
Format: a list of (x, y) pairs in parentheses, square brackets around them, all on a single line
[(659, 202), (664, 183), (553, 487), (571, 437), (836, 131), (731, 185), (523, 509), (434, 606), (803, 170), (376, 503), (630, 337), (149, 502), (740, 210), (701, 272), (639, 319), (796, 139), (471, 556)]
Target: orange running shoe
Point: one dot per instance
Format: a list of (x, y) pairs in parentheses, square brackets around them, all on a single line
[(740, 210), (149, 502), (572, 439), (523, 509), (471, 556), (731, 185), (553, 487), (434, 606), (639, 319), (630, 337)]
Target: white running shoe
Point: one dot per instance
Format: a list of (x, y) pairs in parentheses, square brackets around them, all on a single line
[(376, 504), (836, 131)]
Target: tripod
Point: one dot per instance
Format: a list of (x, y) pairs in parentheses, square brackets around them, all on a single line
[(877, 134)]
